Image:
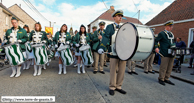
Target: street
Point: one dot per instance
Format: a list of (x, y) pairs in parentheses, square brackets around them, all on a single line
[(93, 88)]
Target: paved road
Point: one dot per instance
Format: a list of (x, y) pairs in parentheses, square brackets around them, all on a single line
[(93, 88)]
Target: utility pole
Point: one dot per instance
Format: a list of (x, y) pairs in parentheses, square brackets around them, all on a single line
[(138, 16), (50, 23)]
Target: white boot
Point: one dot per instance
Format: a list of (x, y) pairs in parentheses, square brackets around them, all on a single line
[(28, 64), (35, 70), (60, 68), (47, 64), (24, 65), (13, 72), (83, 69), (44, 66), (18, 71), (39, 70), (64, 69), (78, 68)]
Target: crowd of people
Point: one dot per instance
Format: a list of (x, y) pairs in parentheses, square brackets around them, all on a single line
[(99, 43)]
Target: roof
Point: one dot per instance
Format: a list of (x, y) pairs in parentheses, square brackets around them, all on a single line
[(178, 10), (5, 8), (23, 11), (107, 16)]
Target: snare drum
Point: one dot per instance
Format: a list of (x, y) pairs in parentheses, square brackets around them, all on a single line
[(87, 57), (14, 54), (29, 53), (65, 54), (134, 42), (40, 54)]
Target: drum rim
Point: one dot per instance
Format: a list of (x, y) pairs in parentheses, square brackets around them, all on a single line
[(137, 41)]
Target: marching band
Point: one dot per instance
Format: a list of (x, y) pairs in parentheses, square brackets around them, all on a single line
[(36, 47)]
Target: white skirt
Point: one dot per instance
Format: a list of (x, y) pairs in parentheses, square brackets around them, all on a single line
[(57, 54), (77, 53)]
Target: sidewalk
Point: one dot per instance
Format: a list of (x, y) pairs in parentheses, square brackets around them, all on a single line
[(184, 75)]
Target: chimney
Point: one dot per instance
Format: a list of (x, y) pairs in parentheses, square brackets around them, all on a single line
[(112, 7)]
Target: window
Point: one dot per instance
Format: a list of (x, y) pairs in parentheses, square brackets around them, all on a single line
[(124, 18)]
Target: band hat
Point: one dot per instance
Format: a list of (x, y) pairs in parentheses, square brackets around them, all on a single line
[(14, 18), (102, 23), (26, 25), (117, 12), (170, 22), (94, 27)]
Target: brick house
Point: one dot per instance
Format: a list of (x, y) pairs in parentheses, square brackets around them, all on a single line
[(108, 19), (182, 12), (5, 19), (18, 11)]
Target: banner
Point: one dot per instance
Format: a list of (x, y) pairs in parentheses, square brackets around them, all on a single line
[(49, 30)]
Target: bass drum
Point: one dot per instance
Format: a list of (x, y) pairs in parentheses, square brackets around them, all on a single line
[(134, 42)]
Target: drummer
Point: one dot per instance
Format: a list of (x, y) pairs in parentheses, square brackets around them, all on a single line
[(97, 38), (61, 34), (117, 66), (77, 43), (166, 41), (21, 38), (30, 56), (37, 32)]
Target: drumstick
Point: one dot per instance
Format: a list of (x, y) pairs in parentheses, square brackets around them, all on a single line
[(160, 54), (108, 53)]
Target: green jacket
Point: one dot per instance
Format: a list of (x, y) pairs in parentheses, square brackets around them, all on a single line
[(76, 40), (97, 41), (165, 43), (107, 39), (44, 37), (21, 35), (91, 35), (56, 37)]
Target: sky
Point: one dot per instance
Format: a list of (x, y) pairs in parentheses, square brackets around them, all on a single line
[(77, 12)]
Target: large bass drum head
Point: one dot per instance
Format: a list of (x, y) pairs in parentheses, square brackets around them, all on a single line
[(126, 41)]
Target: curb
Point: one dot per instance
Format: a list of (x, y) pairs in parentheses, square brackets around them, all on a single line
[(175, 77)]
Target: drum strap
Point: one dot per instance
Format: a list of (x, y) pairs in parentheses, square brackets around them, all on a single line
[(171, 38)]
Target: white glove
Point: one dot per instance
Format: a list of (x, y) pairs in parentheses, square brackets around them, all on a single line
[(100, 51), (77, 45), (56, 46), (5, 41), (67, 42), (49, 46), (44, 41), (19, 41)]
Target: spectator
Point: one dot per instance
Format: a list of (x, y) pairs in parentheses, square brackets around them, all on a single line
[(180, 44)]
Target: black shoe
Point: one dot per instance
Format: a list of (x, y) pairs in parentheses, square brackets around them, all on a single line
[(105, 65), (151, 72), (88, 66), (102, 72), (92, 66), (192, 73), (94, 72), (130, 73), (161, 82), (169, 82), (189, 67), (112, 92), (145, 72), (134, 73), (121, 91)]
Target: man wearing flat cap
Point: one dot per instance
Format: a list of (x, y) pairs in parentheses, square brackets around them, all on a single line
[(117, 66), (97, 38), (166, 40)]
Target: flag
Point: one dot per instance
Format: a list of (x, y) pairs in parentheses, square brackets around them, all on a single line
[(49, 30)]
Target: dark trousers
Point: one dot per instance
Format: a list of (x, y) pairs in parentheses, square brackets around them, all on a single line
[(191, 60)]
